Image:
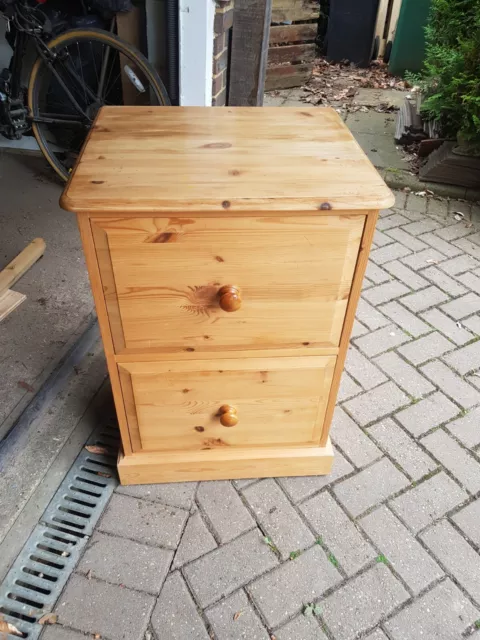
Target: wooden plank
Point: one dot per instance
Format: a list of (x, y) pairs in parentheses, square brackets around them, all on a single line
[(295, 10), (224, 464), (249, 52), (289, 33), (397, 5), (19, 265), (10, 300), (380, 26), (291, 53), (445, 165), (288, 75)]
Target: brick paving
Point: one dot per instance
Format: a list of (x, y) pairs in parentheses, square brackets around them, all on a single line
[(386, 547)]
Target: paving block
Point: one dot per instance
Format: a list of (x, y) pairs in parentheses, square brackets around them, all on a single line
[(381, 340), (242, 484), (453, 232), (454, 458), (284, 592), (399, 446), (452, 384), (430, 346), (460, 264), (437, 208), (469, 247), (467, 519), (377, 635), (277, 517), (471, 281), (175, 494), (338, 532), (229, 567), (302, 628), (358, 329), (93, 606), (364, 372), (463, 564), (405, 319), (389, 222), (369, 487), (388, 253), (449, 250), (402, 550), (124, 562), (57, 632), (443, 613), (175, 615), (406, 376), (428, 501), (299, 488), (428, 413), (407, 240), (465, 359), (413, 216), (448, 327), (385, 292), (467, 428), (348, 388), (369, 316), (417, 203), (149, 522), (462, 307), (400, 199), (352, 440), (473, 324), (423, 259), (377, 403), (225, 510), (362, 602), (421, 300), (424, 225), (380, 239), (444, 281), (234, 618), (196, 541), (376, 274), (406, 275)]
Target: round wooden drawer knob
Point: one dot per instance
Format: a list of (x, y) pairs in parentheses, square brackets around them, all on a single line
[(228, 416), (230, 298)]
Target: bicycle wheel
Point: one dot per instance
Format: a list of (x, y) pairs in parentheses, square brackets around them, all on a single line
[(90, 68)]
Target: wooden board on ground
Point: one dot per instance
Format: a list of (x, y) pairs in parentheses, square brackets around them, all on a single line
[(447, 165), (9, 301), (288, 75), (295, 10), (19, 265)]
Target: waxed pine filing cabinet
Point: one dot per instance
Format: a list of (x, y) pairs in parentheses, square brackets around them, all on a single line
[(226, 249)]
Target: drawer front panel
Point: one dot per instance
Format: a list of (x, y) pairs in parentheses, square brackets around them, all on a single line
[(287, 280), (195, 405)]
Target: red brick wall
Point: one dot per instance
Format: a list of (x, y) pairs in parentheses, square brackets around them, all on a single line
[(222, 29)]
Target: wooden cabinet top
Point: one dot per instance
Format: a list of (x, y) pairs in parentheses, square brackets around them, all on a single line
[(229, 159)]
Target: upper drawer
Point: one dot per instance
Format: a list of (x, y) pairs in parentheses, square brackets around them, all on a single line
[(162, 276)]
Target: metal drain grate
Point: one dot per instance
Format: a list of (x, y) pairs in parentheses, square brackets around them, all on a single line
[(38, 575)]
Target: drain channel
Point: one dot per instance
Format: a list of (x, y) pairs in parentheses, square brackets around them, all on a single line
[(38, 575)]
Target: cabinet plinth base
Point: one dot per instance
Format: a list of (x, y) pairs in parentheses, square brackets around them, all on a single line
[(216, 464)]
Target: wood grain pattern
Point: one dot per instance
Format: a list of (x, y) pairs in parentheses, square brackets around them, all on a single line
[(179, 405), (191, 159), (291, 53), (295, 10), (294, 275), (290, 33), (10, 300), (362, 261), (21, 263), (146, 468)]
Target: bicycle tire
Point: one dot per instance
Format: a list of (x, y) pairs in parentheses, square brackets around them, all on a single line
[(69, 37)]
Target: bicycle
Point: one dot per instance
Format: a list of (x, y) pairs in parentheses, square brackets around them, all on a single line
[(76, 72)]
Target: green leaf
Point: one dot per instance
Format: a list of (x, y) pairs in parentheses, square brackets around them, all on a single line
[(382, 558), (308, 610), (317, 610), (295, 554), (333, 559)]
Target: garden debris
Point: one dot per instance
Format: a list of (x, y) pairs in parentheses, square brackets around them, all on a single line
[(237, 615), (6, 627), (49, 618), (336, 85), (100, 450)]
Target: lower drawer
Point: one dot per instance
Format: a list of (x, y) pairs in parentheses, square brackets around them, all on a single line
[(195, 405)]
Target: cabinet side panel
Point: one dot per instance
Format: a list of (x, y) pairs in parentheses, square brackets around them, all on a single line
[(105, 331), (362, 261)]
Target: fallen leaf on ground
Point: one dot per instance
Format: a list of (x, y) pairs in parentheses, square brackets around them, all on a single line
[(238, 614), (95, 448), (26, 386), (6, 627), (104, 475), (49, 618)]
